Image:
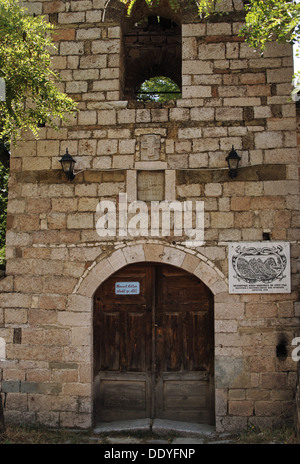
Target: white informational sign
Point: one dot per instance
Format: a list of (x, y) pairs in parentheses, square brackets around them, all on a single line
[(259, 267), (127, 288), (2, 89)]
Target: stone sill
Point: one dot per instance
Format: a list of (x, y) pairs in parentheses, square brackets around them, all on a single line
[(264, 172), (133, 104)]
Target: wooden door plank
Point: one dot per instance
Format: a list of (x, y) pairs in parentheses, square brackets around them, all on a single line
[(185, 344), (122, 347)]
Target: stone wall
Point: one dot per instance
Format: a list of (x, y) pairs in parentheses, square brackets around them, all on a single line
[(231, 96)]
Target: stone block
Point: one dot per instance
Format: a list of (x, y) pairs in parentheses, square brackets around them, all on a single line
[(265, 203), (253, 78), (172, 256), (260, 90), (215, 50), (87, 117), (16, 402), (189, 133), (183, 146), (6, 284), (232, 50), (105, 46), (71, 48), (65, 205), (106, 84), (88, 34), (29, 387), (279, 75), (194, 67), (93, 61), (117, 260), (36, 164), (241, 408), (81, 336), (268, 408), (93, 16), (16, 315), (259, 310), (80, 221), (76, 87), (222, 220), (191, 190), (270, 139), (279, 188), (123, 162), (127, 147), (206, 145), (70, 18), (197, 91), (110, 189), (107, 147), (213, 190), (202, 114), (237, 101), (229, 114), (134, 254), (189, 48), (230, 372), (189, 30), (240, 203), (107, 117), (114, 32), (63, 34), (274, 380), (10, 386), (179, 114), (219, 29), (231, 91), (28, 284)]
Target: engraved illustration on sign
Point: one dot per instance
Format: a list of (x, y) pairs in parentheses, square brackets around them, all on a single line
[(259, 268), (127, 288), (253, 264), (150, 147)]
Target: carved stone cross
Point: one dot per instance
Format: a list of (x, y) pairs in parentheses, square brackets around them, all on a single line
[(150, 147)]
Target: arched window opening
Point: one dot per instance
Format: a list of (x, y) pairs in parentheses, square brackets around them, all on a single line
[(158, 89), (152, 48)]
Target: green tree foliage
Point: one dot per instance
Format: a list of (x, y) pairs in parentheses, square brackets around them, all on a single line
[(158, 89), (269, 20), (205, 7), (32, 96)]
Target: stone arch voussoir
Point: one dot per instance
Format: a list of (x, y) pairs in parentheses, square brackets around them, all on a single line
[(196, 264)]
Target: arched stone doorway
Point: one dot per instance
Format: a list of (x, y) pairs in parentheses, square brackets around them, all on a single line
[(153, 345)]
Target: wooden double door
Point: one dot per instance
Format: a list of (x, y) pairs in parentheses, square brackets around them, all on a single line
[(153, 346)]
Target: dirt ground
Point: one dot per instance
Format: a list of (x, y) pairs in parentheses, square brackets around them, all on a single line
[(40, 435)]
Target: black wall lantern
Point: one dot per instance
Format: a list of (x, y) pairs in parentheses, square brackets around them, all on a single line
[(233, 160), (67, 164)]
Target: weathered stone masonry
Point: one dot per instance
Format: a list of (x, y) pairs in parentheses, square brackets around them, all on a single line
[(55, 259)]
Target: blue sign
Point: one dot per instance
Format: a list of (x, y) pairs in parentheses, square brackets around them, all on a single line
[(127, 288)]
